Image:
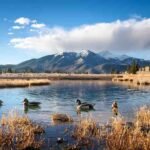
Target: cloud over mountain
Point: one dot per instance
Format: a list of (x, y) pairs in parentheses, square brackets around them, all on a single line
[(128, 35)]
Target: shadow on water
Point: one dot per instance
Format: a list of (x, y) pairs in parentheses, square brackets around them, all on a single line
[(84, 111)]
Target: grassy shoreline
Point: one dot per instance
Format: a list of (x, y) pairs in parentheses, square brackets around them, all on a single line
[(57, 76), (4, 83), (135, 79)]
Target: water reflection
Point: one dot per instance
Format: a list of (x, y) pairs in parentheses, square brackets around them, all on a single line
[(132, 86), (28, 108)]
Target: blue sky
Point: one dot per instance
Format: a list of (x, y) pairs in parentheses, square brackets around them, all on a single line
[(34, 28)]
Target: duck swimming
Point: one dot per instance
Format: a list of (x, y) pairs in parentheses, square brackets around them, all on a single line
[(27, 103), (84, 106)]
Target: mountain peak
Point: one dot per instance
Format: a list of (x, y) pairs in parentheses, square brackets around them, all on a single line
[(59, 53), (81, 62), (84, 53)]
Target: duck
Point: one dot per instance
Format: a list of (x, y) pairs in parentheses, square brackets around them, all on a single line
[(27, 103), (84, 106), (1, 102), (115, 108)]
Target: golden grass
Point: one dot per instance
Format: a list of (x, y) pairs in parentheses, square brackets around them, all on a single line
[(61, 118), (135, 79), (58, 76), (143, 117), (23, 82), (119, 135), (18, 132), (135, 137), (86, 128), (87, 132)]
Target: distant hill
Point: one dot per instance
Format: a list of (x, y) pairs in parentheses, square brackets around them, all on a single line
[(84, 62)]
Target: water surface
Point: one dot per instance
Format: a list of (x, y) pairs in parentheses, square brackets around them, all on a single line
[(60, 97)]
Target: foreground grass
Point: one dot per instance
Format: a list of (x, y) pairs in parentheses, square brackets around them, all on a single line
[(23, 82), (119, 135), (18, 132)]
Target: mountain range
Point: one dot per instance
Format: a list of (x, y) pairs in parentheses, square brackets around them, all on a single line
[(71, 62)]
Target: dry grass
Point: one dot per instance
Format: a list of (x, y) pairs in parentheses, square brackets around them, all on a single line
[(136, 137), (61, 118), (119, 135), (57, 76), (135, 79), (23, 82), (18, 132), (86, 128), (88, 133), (143, 117)]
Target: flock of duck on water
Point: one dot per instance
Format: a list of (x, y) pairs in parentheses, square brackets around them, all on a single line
[(81, 106)]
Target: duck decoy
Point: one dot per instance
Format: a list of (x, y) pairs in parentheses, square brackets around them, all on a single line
[(1, 102), (84, 106), (115, 108), (27, 103)]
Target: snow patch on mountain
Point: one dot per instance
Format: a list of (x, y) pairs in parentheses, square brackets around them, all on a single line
[(59, 54), (84, 53)]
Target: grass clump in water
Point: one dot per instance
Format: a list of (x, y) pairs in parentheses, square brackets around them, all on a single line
[(119, 135), (133, 137), (18, 132)]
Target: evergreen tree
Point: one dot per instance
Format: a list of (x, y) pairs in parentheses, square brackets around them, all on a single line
[(9, 70), (133, 68)]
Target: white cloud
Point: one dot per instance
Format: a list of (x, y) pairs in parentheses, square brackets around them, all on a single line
[(10, 33), (34, 21), (18, 27), (23, 21), (129, 35), (38, 25)]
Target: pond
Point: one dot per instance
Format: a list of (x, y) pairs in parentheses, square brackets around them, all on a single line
[(60, 97)]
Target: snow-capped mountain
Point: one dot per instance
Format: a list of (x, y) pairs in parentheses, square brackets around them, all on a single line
[(82, 62)]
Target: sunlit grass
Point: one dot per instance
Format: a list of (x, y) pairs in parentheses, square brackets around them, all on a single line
[(133, 137), (18, 132), (22, 82), (119, 135)]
